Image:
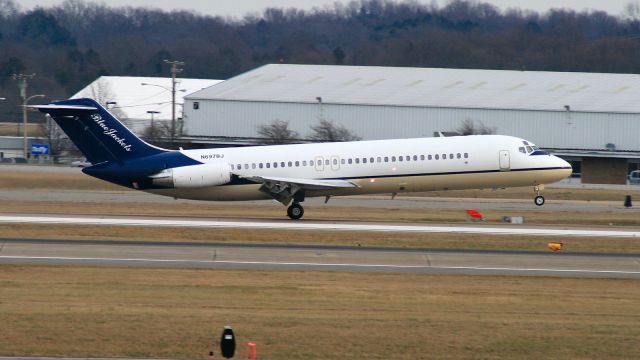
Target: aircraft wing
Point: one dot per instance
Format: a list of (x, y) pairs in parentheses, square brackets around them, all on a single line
[(285, 189)]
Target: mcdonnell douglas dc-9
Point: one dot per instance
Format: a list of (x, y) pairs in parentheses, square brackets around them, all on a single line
[(291, 173)]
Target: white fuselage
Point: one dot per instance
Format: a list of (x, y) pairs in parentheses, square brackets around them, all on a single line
[(382, 166)]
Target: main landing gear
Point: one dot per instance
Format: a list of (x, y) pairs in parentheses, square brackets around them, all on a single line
[(539, 199), (295, 211)]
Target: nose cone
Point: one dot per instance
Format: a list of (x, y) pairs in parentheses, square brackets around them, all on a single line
[(564, 166)]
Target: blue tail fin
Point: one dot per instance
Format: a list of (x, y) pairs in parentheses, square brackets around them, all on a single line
[(97, 133)]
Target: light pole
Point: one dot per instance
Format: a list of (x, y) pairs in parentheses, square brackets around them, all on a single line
[(152, 112), (24, 122)]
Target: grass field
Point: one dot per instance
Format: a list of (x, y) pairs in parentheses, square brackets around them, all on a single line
[(14, 129), (84, 311)]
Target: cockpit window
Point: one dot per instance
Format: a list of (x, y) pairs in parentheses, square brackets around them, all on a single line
[(522, 150), (529, 149)]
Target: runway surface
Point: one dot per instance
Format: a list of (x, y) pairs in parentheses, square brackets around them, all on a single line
[(311, 225), (322, 258)]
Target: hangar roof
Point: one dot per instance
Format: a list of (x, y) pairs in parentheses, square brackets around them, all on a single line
[(432, 87), (134, 99)]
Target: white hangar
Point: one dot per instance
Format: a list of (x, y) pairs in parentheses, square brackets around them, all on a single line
[(593, 118)]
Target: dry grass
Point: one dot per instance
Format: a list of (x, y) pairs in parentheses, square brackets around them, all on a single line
[(11, 129), (81, 311), (336, 238), (11, 179)]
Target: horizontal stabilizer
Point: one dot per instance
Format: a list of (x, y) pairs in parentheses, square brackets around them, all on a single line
[(46, 108)]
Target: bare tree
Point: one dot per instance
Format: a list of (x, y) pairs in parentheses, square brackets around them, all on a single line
[(327, 131), (158, 132), (54, 136), (102, 92), (277, 132), (469, 127)]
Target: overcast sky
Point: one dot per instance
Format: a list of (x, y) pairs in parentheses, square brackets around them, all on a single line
[(238, 8)]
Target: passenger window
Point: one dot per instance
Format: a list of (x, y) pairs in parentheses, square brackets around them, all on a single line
[(393, 159), (350, 161), (437, 157), (310, 162), (422, 157), (444, 156), (386, 159), (364, 160), (297, 163), (275, 164), (429, 157), (400, 158), (260, 166), (290, 164), (371, 160), (357, 160), (268, 165), (466, 155), (379, 159), (246, 166), (326, 162), (239, 166), (408, 158), (282, 164), (232, 166), (304, 162), (342, 161), (335, 161), (253, 166), (459, 155)]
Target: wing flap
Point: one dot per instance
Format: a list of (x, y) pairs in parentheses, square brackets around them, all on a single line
[(309, 184)]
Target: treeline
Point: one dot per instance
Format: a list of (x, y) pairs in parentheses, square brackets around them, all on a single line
[(72, 44)]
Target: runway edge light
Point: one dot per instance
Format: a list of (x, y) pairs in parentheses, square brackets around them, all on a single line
[(555, 246)]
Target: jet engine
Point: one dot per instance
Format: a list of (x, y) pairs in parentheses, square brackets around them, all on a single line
[(193, 176)]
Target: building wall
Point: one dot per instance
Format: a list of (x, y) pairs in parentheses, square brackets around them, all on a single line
[(604, 171), (559, 129)]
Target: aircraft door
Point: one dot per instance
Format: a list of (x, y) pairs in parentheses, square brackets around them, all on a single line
[(335, 163), (319, 163), (505, 160)]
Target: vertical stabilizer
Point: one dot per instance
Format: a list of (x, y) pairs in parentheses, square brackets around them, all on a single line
[(97, 133)]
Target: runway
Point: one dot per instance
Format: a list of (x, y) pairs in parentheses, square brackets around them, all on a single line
[(316, 258), (324, 226)]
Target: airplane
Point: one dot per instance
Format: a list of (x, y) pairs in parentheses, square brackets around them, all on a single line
[(292, 173)]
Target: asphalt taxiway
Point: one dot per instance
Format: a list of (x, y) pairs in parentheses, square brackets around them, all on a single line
[(324, 258)]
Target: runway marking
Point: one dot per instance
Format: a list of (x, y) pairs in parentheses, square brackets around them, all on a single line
[(276, 263), (301, 225)]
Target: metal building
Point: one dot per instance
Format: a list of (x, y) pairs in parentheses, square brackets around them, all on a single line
[(138, 101), (574, 114)]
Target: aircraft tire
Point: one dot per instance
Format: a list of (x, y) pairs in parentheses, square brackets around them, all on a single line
[(295, 211), (539, 200)]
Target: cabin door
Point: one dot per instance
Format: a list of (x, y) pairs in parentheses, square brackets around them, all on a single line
[(505, 160)]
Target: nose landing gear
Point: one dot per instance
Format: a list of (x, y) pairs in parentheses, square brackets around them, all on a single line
[(539, 199)]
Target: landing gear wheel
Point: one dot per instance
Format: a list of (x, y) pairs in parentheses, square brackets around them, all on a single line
[(539, 200), (295, 211)]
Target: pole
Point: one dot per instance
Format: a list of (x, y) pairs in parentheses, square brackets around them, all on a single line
[(174, 70)]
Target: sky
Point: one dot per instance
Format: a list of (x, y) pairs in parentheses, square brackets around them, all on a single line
[(239, 8)]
